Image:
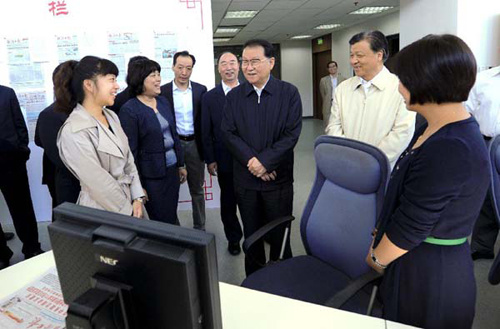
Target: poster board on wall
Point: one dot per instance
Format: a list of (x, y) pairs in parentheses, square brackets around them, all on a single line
[(37, 35)]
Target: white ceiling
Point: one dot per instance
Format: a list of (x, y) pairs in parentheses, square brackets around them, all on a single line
[(279, 20)]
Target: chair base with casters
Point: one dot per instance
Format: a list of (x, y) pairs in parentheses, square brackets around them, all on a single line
[(342, 209)]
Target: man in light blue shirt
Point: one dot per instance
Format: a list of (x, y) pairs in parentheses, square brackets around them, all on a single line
[(185, 97)]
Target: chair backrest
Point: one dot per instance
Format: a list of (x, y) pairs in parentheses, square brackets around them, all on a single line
[(345, 201), (494, 151)]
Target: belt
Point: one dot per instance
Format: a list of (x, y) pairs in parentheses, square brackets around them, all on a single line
[(186, 138), (445, 242)]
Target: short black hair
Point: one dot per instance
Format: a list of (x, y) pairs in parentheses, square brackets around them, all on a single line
[(133, 59), (225, 52), (330, 62), (436, 69), (376, 39), (137, 73), (268, 47), (183, 53)]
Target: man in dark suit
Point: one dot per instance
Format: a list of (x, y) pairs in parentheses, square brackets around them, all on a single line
[(261, 125), (14, 152), (185, 97), (124, 95), (218, 159), (62, 185)]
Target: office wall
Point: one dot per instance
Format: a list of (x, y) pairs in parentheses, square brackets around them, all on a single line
[(479, 27), (439, 17), (296, 68), (476, 22), (388, 24)]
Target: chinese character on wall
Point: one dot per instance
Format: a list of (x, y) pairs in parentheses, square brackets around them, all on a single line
[(58, 8)]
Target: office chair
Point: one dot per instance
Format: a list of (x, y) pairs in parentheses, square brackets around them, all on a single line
[(494, 152), (336, 226)]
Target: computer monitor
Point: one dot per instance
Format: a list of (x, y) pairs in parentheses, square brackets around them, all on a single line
[(117, 271)]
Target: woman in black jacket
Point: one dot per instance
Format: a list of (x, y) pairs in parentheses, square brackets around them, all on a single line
[(435, 193), (149, 123)]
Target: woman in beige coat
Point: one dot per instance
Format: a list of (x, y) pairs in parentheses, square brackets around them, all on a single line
[(91, 142)]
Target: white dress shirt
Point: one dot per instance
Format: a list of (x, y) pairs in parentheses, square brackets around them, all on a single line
[(377, 116), (484, 101), (259, 90), (226, 88), (183, 107), (334, 84)]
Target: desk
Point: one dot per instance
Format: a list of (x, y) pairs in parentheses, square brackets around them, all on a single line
[(241, 308)]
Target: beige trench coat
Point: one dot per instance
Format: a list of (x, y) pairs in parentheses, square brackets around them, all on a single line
[(101, 160)]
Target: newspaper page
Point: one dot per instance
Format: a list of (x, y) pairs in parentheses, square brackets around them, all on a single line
[(38, 305)]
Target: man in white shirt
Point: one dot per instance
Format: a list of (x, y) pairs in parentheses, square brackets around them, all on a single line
[(327, 87), (368, 107), (484, 105), (185, 97)]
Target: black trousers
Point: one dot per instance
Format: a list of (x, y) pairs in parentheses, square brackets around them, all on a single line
[(67, 187), (258, 208), (163, 197), (51, 185), (229, 217), (486, 228), (16, 191)]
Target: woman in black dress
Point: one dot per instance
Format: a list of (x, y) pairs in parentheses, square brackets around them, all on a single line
[(148, 120), (435, 192)]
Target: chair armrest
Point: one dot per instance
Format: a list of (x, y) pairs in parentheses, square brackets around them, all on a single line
[(341, 297), (264, 230)]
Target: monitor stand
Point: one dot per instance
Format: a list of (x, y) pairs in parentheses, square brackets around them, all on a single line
[(108, 305)]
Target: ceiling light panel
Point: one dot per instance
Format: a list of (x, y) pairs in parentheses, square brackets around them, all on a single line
[(241, 14), (227, 30), (370, 10), (327, 26), (217, 40), (298, 37)]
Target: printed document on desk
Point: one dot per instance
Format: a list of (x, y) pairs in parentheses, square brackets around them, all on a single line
[(39, 304)]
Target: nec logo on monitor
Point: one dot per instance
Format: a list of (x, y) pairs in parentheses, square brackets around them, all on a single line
[(108, 260)]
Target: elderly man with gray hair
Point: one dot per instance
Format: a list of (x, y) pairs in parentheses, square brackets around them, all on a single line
[(368, 107)]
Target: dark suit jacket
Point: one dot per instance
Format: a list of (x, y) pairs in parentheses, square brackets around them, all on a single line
[(198, 91), (267, 130), (145, 137), (120, 100), (47, 127), (214, 148), (48, 167), (14, 137)]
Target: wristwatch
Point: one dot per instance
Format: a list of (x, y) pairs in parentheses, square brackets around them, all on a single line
[(140, 199), (375, 260)]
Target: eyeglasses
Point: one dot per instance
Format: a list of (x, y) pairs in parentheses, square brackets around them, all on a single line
[(255, 62)]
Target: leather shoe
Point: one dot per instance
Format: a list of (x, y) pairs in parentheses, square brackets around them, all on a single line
[(482, 255), (4, 264), (234, 248), (8, 236), (33, 253)]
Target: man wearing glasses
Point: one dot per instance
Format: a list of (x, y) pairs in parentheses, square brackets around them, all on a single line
[(261, 124), (218, 159)]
